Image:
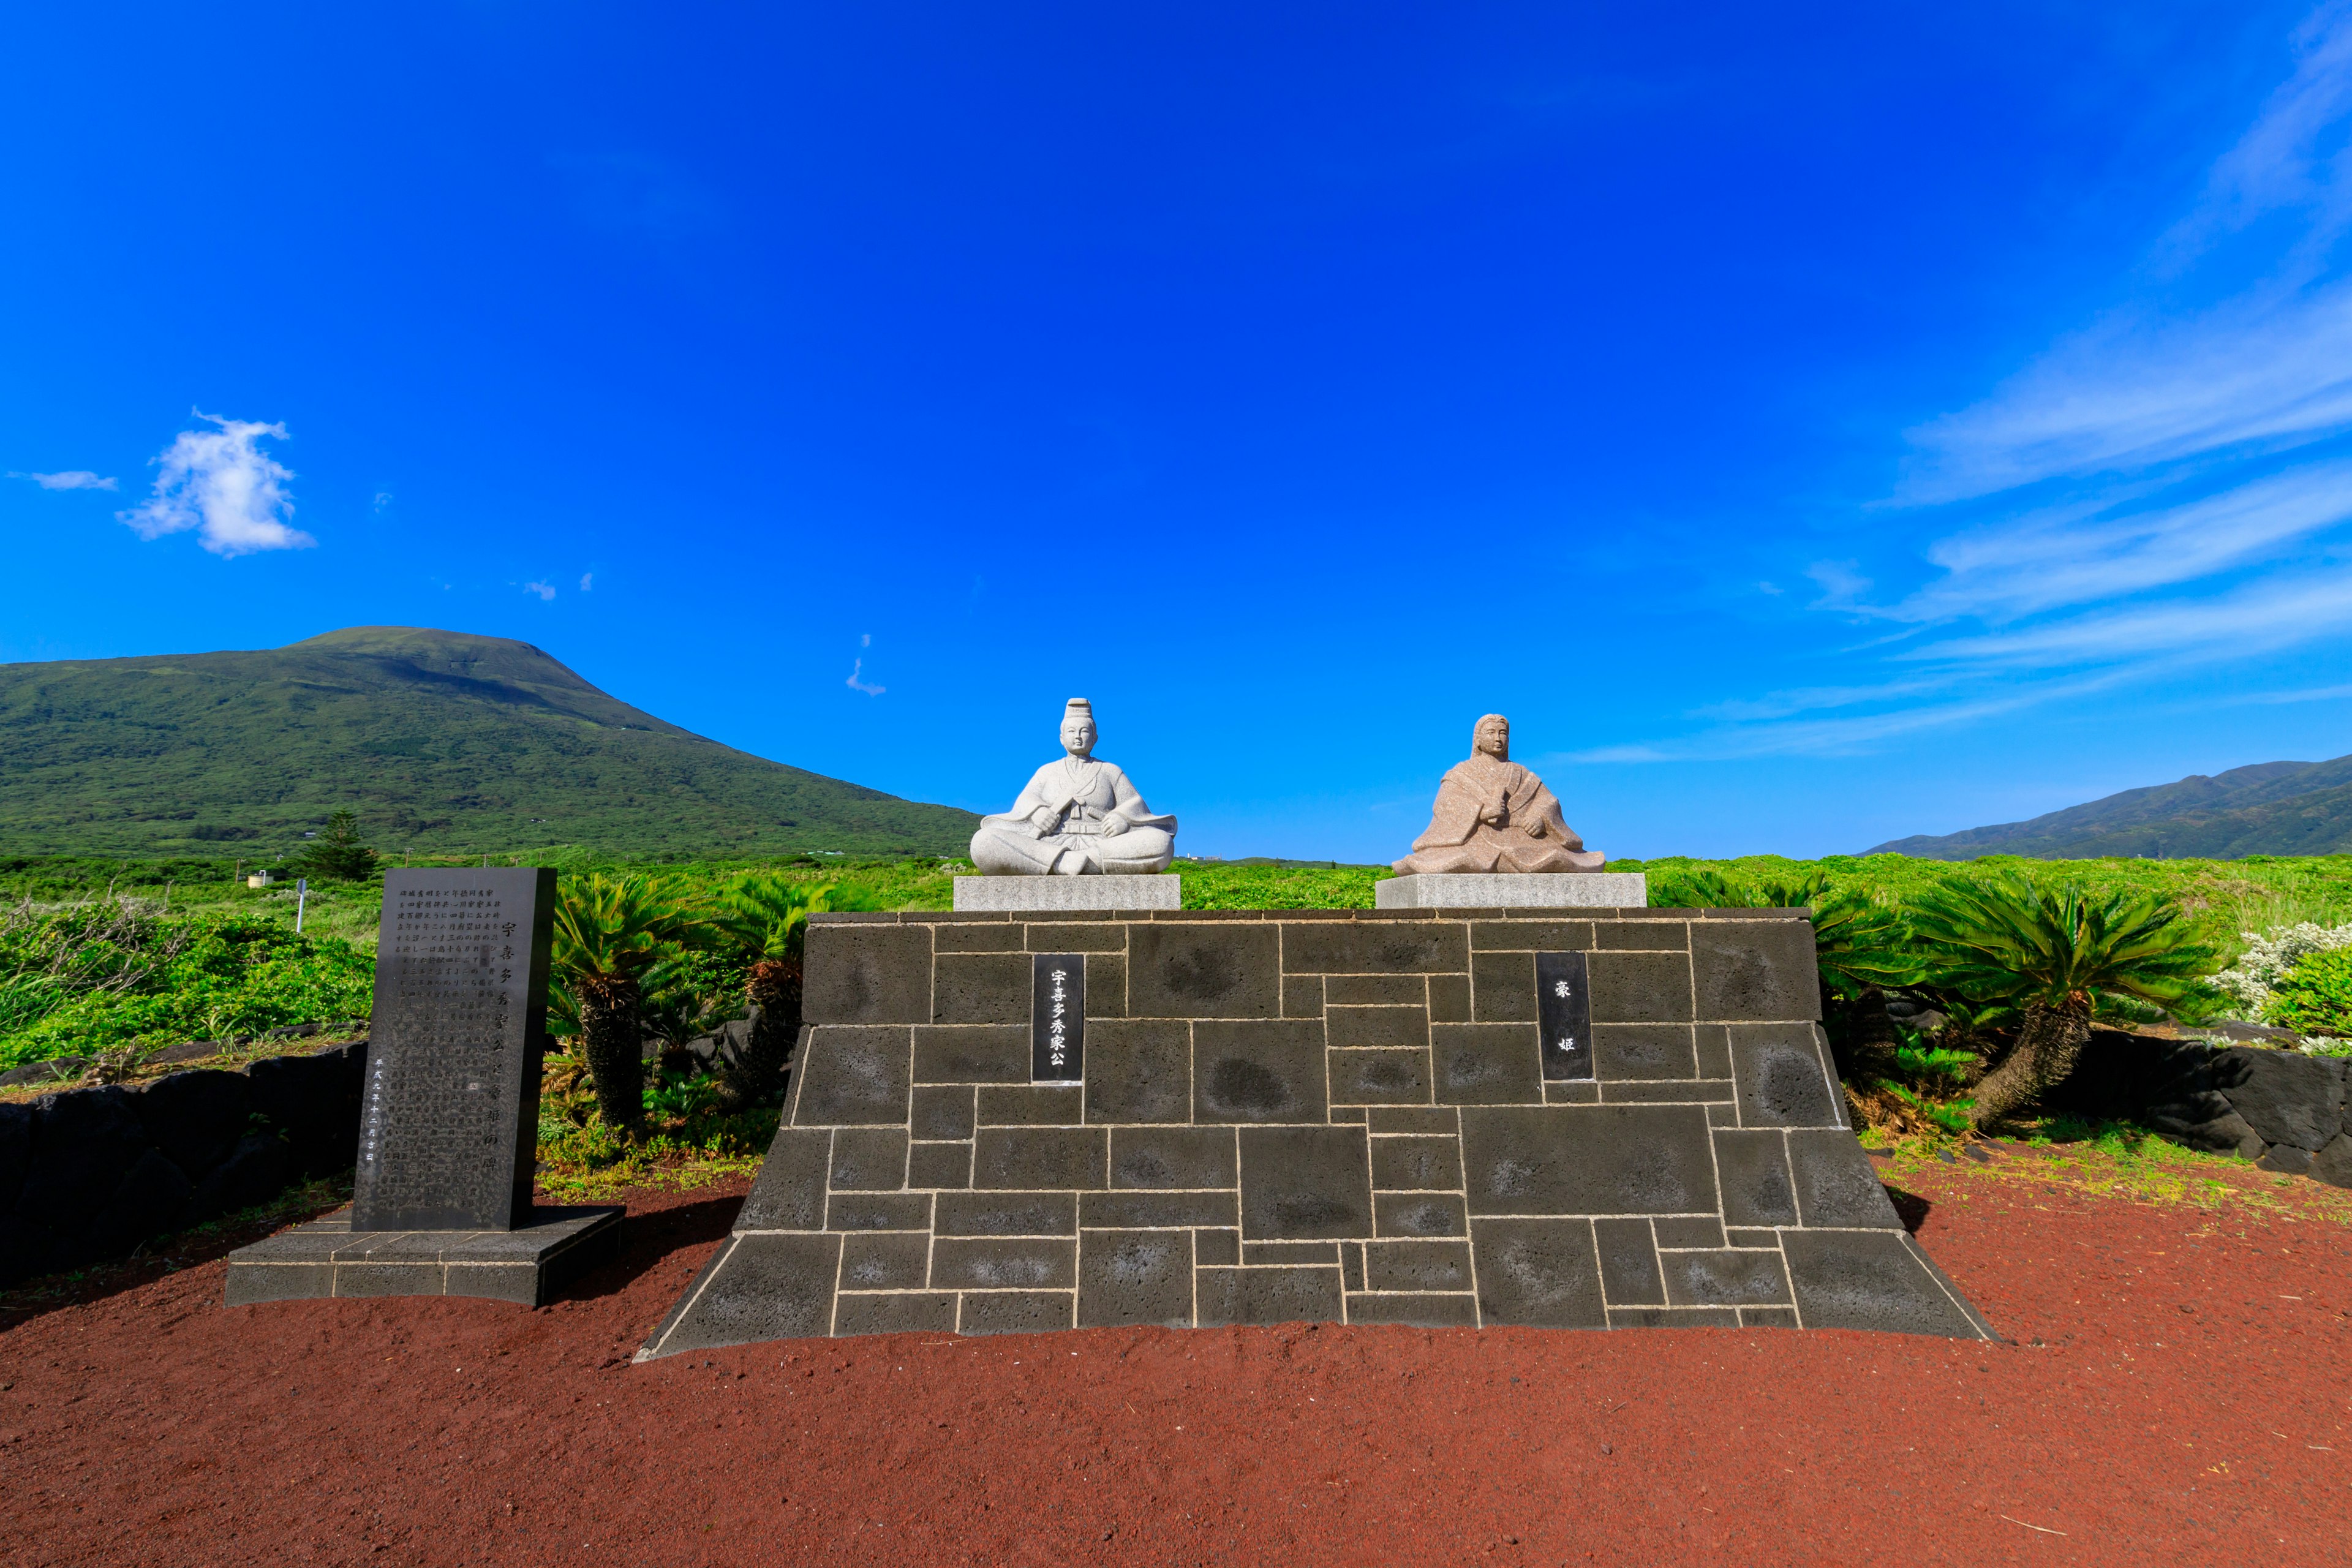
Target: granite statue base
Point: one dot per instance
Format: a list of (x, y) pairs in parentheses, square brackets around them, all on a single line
[(1052, 893), (530, 1264), (1501, 890), (1349, 1116)]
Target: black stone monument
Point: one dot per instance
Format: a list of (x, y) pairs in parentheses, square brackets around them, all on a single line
[(448, 1120)]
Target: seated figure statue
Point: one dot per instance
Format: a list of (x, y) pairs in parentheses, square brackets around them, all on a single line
[(1493, 814), (1077, 817)]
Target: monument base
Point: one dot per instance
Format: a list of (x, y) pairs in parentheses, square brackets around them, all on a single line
[(327, 1257), (1057, 893), (1506, 891)]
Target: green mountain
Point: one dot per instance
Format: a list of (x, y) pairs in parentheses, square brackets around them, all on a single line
[(2269, 808), (443, 743)]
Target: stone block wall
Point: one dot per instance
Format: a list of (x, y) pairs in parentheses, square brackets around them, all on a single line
[(2282, 1110), (87, 1175), (1325, 1115)]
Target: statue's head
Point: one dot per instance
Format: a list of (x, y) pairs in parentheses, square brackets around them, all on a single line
[(1493, 736), (1079, 727)]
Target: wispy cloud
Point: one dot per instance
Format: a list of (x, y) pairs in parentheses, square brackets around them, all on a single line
[(70, 480), (587, 581), (546, 591), (220, 483), (858, 671)]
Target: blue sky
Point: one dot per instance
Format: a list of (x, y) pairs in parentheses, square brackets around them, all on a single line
[(1810, 425)]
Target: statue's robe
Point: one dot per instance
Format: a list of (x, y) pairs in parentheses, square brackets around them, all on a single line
[(1083, 796), (1461, 839)]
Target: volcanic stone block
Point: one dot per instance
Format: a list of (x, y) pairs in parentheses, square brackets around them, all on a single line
[(1783, 1081), (2286, 1159), (866, 973), (939, 1166), (789, 1192), (1423, 1120), (1416, 1164), (1753, 1168), (1269, 1296), (1641, 988), (1305, 1184), (994, 1053), (1530, 936), (1538, 1273), (254, 1173), (1302, 995), (856, 1077), (1667, 935), (1868, 1280), (1503, 987), (1486, 1063), (148, 1202), (1211, 1248), (1754, 970), (1172, 1157), (995, 1263), (1835, 1182), (1688, 1230), (1016, 1312), (2285, 1097), (1129, 1276), (1007, 1214), (303, 1097), (1321, 1254), (1449, 998), (1629, 1263), (2333, 1164), (886, 1260), (1380, 1078), (1133, 1210), (1081, 936), (928, 1311), (758, 1287), (1419, 1214), (1768, 1318), (942, 1114), (1258, 1071), (84, 1142), (16, 1150), (1041, 1158), (1627, 1051), (980, 988), (1674, 1318), (1414, 1311), (1357, 1027), (1375, 947), (1714, 1043), (1376, 991), (868, 1158), (877, 1211), (1589, 1159), (1140, 1069), (1209, 970), (1417, 1265), (195, 1118), (1031, 1105), (1725, 1279), (978, 936)]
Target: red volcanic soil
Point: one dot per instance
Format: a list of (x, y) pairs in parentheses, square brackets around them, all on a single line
[(2176, 1392)]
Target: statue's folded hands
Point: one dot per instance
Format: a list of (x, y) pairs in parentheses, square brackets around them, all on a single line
[(1476, 805)]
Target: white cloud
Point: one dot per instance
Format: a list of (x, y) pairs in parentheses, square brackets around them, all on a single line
[(858, 669), (70, 480), (383, 502), (221, 484), (586, 578), (1841, 586), (546, 591)]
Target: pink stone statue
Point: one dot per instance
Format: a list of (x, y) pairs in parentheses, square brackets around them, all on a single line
[(1493, 814)]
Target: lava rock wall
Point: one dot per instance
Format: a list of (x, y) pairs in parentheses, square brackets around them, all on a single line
[(2280, 1109)]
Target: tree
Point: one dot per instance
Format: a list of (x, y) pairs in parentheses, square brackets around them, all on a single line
[(614, 938), (337, 853), (766, 918), (2050, 950)]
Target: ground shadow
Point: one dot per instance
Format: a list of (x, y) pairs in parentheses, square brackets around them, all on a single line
[(647, 1239), (1909, 1207)]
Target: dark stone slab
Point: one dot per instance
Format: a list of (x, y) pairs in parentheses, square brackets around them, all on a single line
[(877, 1211), (2286, 1097), (1057, 1018), (1669, 1091), (789, 1193), (1426, 1120), (1352, 1027), (979, 988), (1486, 1063), (1203, 971), (1212, 1247), (1563, 991), (1129, 1276), (1530, 936), (855, 1076), (1537, 1274), (1416, 1164), (1172, 1157), (1783, 1080), (861, 973), (1258, 1071), (1077, 936), (923, 1312), (1007, 1214), (1629, 1263), (1449, 998), (149, 1201), (942, 1114), (1375, 991), (1868, 1280), (1674, 1318), (1419, 1214), (1689, 1230), (1140, 1070), (1503, 986), (990, 1053), (1725, 1279), (1754, 970), (886, 1260), (1641, 988), (1302, 995), (1031, 1105), (1375, 947), (1417, 1265), (1589, 1160), (1351, 1266), (1063, 1158), (1305, 1184), (939, 1166), (996, 1263), (530, 1264), (1654, 1051), (1295, 1253), (1753, 1167), (195, 1118), (1666, 931), (1016, 1312), (255, 1172), (869, 1160), (1380, 1076), (1262, 1296), (977, 937), (1414, 1311), (1714, 1046), (1835, 1182), (1768, 1318), (1135, 1210), (16, 1150), (2286, 1159)]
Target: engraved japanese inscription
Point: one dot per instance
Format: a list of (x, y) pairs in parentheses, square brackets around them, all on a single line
[(1564, 1008), (449, 1118), (1057, 1018)]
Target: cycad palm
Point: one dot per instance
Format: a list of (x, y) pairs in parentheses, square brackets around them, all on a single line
[(615, 937), (2052, 951), (767, 919)]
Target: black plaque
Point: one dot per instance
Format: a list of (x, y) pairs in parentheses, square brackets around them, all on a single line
[(1057, 1018), (449, 1123), (1564, 1006)]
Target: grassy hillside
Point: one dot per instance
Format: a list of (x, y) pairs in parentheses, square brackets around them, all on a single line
[(443, 742), (2268, 809)]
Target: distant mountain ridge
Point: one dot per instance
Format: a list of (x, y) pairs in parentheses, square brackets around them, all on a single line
[(2265, 808), (441, 740)]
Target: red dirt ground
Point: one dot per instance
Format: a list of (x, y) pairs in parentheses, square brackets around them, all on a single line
[(2178, 1391)]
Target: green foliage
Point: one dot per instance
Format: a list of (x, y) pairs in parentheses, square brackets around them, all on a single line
[(1236, 885), (628, 930), (1924, 1067), (2315, 996), (337, 854), (764, 916), (2002, 938)]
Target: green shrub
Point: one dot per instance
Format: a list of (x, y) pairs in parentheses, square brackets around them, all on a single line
[(2315, 996)]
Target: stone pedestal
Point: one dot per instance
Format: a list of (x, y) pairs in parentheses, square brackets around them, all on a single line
[(1049, 894), (529, 1265), (1481, 890)]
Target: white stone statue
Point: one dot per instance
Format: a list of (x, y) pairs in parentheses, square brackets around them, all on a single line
[(1077, 817)]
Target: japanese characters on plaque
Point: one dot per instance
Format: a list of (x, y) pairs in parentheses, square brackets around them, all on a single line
[(1564, 1010), (448, 1118), (1057, 1018)]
